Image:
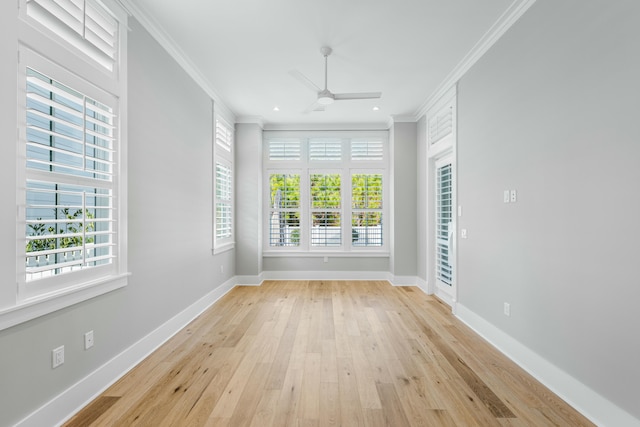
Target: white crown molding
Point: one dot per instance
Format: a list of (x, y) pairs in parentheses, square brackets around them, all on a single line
[(396, 118), (504, 22), (172, 48), (251, 120)]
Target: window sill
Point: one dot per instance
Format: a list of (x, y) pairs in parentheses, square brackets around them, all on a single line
[(314, 254), (39, 306), (223, 248)]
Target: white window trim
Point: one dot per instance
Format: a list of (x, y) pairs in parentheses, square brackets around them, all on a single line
[(226, 158), (22, 305), (346, 167)]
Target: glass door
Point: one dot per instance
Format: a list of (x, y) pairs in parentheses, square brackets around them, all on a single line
[(445, 228)]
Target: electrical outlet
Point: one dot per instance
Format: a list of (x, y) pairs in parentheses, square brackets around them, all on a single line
[(88, 340), (507, 309), (57, 356), (513, 196)]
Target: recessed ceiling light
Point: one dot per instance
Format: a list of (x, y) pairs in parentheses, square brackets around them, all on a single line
[(276, 108), (376, 108)]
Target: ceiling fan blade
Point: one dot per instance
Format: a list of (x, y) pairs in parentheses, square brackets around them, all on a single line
[(304, 80), (313, 107), (362, 95)]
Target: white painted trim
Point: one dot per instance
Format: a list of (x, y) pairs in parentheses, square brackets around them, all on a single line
[(39, 306), (447, 298), (249, 280), (251, 120), (506, 20), (322, 254), (596, 408), (403, 280), (326, 275), (423, 285), (172, 48), (70, 401), (397, 118), (326, 126)]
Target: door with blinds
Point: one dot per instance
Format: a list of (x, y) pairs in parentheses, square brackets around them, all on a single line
[(445, 226)]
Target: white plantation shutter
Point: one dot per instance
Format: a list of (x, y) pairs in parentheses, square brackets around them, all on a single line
[(444, 221), (284, 209), (440, 124), (223, 182), (224, 135), (326, 212), (70, 214), (284, 150), (367, 205), (224, 219), (85, 24), (325, 150), (367, 149)]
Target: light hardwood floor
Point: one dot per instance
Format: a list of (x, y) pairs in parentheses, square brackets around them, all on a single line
[(327, 353)]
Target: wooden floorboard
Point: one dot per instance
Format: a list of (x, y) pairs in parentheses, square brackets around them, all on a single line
[(327, 353)]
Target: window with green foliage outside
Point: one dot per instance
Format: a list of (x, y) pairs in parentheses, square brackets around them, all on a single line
[(284, 215)]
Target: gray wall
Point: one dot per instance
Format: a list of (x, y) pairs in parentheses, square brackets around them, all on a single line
[(552, 110), (403, 143), (248, 207), (421, 201), (170, 210)]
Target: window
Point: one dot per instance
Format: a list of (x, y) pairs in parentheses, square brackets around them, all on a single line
[(326, 212), (284, 212), (69, 187), (223, 184), (366, 204), (71, 192), (325, 192), (84, 25)]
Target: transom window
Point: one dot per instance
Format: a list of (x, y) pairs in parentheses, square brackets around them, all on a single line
[(324, 192)]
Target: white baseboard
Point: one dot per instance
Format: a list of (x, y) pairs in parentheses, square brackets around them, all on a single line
[(249, 280), (333, 275), (403, 280), (423, 285), (325, 275), (66, 404), (596, 408)]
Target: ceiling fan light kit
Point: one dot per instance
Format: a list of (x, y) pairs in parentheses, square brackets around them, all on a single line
[(325, 96)]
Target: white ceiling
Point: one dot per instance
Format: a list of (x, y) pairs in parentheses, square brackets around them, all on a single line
[(245, 49)]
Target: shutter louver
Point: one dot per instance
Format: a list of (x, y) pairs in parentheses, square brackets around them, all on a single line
[(366, 203), (284, 150), (224, 135), (224, 221), (83, 23), (70, 221), (444, 218), (325, 150), (367, 150), (441, 124)]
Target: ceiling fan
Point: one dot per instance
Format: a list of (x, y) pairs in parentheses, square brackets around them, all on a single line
[(325, 96)]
